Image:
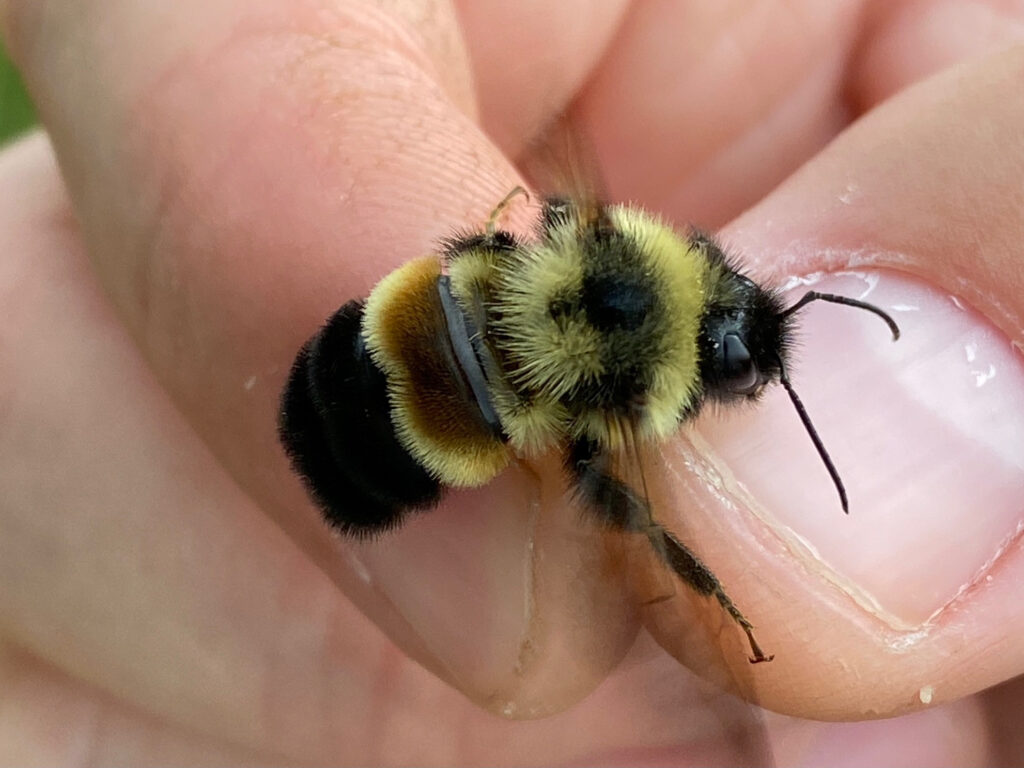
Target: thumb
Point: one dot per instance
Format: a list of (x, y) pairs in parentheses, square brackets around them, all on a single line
[(915, 596)]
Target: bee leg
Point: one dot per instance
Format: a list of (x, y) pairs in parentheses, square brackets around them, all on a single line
[(492, 220), (691, 570), (611, 502), (615, 504)]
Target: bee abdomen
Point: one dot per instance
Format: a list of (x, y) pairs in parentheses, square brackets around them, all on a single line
[(337, 429), (437, 416)]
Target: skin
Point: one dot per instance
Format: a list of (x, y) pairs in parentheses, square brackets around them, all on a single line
[(220, 176)]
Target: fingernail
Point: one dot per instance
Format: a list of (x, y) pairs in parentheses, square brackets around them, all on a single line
[(927, 434)]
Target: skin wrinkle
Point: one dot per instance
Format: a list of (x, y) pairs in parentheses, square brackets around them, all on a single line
[(873, 16)]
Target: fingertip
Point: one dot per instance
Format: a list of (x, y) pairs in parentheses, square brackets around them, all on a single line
[(509, 596), (926, 437)]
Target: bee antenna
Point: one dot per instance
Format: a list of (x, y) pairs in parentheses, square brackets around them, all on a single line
[(798, 404), (846, 301), (815, 438)]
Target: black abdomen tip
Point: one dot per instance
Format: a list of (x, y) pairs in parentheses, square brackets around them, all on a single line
[(336, 427)]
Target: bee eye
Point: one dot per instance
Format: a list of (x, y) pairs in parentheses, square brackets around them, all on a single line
[(738, 369)]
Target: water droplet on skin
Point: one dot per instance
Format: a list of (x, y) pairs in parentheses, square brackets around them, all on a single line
[(850, 194), (981, 378)]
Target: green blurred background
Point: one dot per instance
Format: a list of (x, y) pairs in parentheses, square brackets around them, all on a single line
[(16, 114)]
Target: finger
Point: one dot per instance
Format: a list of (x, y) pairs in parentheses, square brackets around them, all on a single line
[(953, 735), (240, 171), (914, 598), (129, 559), (911, 41), (699, 109), (47, 718), (133, 563), (530, 60)]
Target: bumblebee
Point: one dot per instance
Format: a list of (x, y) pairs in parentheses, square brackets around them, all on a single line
[(604, 331)]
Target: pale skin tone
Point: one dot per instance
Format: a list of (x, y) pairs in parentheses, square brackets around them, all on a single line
[(229, 172)]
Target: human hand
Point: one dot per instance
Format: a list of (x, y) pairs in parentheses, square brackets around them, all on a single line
[(237, 170)]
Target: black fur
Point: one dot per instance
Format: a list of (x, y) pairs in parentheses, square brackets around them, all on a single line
[(619, 299), (463, 242), (607, 498), (753, 315), (336, 427)]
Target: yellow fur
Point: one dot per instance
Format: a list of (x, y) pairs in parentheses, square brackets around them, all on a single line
[(682, 272), (542, 361), (552, 359), (531, 427), (403, 324), (471, 274)]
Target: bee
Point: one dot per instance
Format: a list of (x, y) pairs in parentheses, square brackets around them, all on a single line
[(604, 331)]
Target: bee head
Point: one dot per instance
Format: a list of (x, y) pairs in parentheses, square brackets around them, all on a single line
[(744, 341)]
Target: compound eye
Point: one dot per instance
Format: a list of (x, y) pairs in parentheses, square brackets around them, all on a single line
[(738, 369)]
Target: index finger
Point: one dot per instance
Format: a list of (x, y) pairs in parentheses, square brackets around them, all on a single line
[(241, 170)]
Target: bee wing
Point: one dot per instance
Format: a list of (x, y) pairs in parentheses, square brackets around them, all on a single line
[(615, 489), (560, 162)]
